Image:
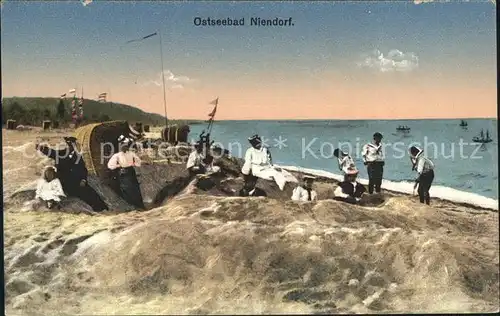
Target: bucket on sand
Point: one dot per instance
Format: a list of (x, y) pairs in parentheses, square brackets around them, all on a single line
[(46, 125), (11, 124), (146, 128)]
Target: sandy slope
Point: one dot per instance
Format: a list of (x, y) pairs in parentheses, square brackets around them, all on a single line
[(215, 254)]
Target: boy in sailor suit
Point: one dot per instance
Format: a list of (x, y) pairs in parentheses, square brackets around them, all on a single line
[(425, 170), (304, 192), (373, 158)]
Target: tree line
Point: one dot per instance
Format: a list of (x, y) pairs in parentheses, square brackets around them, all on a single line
[(35, 116)]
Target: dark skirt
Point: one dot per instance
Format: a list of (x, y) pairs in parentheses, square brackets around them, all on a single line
[(129, 187)]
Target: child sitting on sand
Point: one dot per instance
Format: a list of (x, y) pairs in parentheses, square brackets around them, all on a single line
[(249, 188), (350, 190), (49, 189), (304, 191)]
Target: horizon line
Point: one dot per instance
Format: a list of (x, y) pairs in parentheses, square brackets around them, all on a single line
[(273, 119)]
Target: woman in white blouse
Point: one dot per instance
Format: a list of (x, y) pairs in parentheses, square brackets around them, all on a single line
[(258, 162), (49, 189), (124, 162)]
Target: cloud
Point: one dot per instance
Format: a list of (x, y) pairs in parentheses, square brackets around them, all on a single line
[(395, 60), (171, 81)]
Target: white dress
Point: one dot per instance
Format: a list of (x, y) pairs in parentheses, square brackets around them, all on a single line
[(49, 190), (258, 162)]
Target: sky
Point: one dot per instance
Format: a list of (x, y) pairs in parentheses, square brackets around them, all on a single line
[(354, 60)]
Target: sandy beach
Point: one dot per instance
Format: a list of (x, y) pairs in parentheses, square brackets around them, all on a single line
[(204, 254)]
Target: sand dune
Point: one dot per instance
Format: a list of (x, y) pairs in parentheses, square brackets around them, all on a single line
[(205, 254)]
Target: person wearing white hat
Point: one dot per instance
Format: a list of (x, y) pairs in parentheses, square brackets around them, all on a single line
[(304, 191), (346, 163), (198, 163), (349, 190), (49, 189), (124, 162), (258, 162)]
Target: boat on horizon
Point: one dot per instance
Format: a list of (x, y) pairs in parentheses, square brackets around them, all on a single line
[(463, 123), (481, 138), (403, 128)]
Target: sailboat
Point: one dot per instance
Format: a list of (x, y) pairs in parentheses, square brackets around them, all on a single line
[(482, 139), (463, 123)]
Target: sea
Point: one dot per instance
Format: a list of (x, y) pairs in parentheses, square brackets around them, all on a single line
[(464, 171)]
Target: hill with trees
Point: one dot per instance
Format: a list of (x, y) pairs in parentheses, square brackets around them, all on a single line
[(32, 111)]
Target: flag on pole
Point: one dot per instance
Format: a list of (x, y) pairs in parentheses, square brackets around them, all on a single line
[(72, 91), (80, 105), (212, 114), (215, 102), (63, 96), (102, 97), (142, 38), (73, 109)]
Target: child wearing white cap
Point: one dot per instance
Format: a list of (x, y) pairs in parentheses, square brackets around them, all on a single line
[(304, 191)]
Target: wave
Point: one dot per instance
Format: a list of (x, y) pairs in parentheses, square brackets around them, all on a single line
[(438, 191)]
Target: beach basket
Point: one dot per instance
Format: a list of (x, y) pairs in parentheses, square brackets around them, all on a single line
[(98, 142), (11, 124), (175, 134), (46, 125)]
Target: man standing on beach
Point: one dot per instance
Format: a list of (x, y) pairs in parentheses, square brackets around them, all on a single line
[(425, 171), (373, 158)]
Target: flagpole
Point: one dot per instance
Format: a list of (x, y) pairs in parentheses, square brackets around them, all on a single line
[(163, 79)]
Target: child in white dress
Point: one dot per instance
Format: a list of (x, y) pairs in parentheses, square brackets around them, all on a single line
[(49, 189)]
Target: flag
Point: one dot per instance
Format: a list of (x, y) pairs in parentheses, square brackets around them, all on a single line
[(102, 97), (212, 114), (142, 38), (72, 91), (215, 102), (63, 96), (80, 105), (73, 108)]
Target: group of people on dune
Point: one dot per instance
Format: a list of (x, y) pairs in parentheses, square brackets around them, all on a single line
[(69, 175), (258, 164)]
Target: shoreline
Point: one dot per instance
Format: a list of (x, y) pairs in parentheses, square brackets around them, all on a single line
[(443, 193)]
